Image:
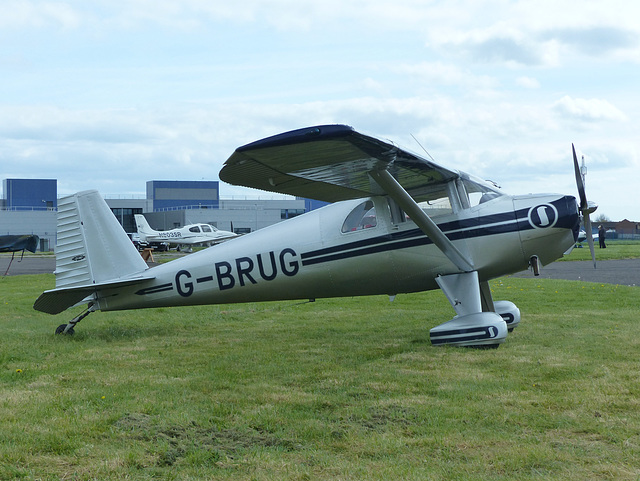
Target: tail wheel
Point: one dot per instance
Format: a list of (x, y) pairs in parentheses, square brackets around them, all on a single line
[(61, 330)]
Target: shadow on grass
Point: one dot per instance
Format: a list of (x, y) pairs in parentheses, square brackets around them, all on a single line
[(111, 333)]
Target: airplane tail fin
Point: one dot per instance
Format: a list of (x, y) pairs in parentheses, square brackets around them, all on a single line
[(92, 251), (92, 246), (144, 229)]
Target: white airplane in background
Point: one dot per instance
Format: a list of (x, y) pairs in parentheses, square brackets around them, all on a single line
[(191, 234), (398, 223)]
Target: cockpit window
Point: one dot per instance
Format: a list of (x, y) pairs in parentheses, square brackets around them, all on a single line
[(206, 228), (479, 191), (362, 217)]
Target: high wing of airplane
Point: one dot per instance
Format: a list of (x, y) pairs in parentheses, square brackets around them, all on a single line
[(397, 223), (191, 234)]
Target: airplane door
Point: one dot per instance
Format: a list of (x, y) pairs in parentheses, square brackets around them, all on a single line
[(356, 237)]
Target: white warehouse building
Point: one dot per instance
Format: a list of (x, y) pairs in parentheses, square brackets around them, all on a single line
[(29, 206)]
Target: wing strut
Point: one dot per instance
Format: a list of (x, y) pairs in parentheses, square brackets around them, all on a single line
[(391, 186)]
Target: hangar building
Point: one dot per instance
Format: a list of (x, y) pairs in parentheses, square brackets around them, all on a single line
[(28, 206)]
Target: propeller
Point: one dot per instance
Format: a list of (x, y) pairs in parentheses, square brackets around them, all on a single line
[(586, 207)]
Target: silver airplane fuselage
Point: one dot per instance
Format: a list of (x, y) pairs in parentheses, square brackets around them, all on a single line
[(314, 256)]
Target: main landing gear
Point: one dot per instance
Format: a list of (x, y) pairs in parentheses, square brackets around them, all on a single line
[(480, 322), (68, 328)]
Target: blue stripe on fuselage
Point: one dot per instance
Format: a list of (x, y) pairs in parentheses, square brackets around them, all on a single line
[(502, 223)]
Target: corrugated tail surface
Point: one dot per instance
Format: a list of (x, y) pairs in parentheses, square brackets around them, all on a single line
[(92, 247)]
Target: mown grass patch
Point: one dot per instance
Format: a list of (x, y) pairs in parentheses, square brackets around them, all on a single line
[(616, 249), (336, 389)]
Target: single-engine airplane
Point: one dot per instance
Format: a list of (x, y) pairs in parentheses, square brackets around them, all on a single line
[(192, 234), (397, 223)]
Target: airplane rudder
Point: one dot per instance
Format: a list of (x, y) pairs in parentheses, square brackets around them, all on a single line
[(92, 245), (143, 225), (72, 263)]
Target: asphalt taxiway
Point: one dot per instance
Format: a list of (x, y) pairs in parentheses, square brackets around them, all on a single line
[(624, 272), (29, 264)]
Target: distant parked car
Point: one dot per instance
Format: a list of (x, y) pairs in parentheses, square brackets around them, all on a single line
[(159, 246), (142, 245)]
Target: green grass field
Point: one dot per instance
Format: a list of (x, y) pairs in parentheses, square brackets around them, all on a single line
[(617, 249), (343, 389)]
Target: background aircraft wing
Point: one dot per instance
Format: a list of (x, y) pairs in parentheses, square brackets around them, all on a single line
[(329, 163), (13, 243)]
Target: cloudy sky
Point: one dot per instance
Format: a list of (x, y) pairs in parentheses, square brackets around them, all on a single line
[(108, 94)]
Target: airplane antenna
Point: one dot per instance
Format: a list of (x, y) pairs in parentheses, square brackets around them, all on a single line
[(421, 146)]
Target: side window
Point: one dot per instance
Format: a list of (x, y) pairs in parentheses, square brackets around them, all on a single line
[(437, 203), (362, 217), (205, 228), (195, 228)]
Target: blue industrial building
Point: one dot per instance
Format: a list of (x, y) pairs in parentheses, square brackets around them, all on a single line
[(310, 204), (30, 194), (183, 194)]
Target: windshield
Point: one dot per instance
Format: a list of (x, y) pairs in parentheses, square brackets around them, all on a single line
[(478, 191)]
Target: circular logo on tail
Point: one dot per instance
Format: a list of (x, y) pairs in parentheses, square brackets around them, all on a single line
[(543, 216)]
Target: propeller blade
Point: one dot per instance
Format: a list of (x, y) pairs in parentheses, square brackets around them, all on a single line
[(581, 191), (587, 228), (585, 208)]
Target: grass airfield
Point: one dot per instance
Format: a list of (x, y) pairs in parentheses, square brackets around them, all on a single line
[(337, 389)]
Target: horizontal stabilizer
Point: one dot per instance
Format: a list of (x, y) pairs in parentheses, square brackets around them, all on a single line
[(55, 301)]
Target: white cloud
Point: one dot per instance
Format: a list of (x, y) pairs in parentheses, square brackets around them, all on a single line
[(596, 40), (439, 74), (15, 14), (528, 82), (589, 110), (503, 47), (526, 34)]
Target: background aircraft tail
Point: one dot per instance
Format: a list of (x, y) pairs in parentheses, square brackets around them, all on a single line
[(92, 246), (144, 229)]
